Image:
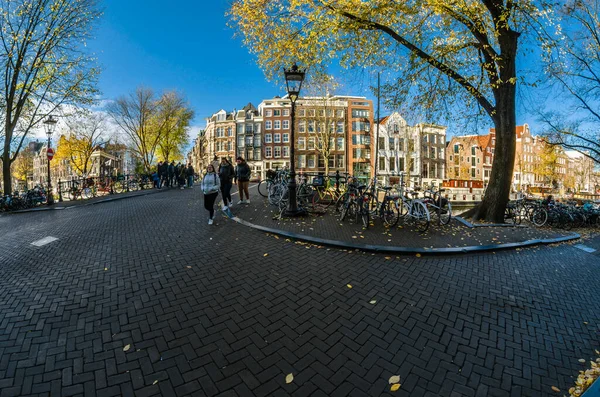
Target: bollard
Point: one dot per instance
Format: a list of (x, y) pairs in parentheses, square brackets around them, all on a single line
[(337, 181)]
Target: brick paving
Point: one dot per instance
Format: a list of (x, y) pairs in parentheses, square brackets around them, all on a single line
[(205, 312), (328, 226)]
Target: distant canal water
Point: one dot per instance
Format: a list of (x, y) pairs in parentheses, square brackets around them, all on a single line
[(459, 207)]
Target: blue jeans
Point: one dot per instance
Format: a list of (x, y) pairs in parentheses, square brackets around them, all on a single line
[(190, 181)]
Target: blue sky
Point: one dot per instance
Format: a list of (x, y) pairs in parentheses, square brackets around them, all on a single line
[(181, 45), (187, 46)]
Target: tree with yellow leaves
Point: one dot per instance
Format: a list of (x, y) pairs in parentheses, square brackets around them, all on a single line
[(457, 51)]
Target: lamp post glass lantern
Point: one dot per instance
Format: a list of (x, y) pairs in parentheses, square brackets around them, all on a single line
[(49, 126), (293, 80)]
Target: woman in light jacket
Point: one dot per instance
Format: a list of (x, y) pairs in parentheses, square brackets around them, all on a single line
[(210, 187)]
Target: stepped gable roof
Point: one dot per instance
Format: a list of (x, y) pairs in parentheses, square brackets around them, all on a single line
[(384, 120), (484, 140)]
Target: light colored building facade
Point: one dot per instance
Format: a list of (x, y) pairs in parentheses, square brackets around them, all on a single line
[(276, 132), (249, 124), (418, 151)]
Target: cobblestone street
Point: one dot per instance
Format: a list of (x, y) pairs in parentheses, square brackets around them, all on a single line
[(142, 297)]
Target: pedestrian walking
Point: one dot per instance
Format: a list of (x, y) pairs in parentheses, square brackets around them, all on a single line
[(181, 176), (190, 175), (242, 176), (215, 163), (226, 174), (163, 173), (210, 187), (171, 173)]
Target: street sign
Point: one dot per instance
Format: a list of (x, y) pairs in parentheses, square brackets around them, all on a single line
[(50, 153)]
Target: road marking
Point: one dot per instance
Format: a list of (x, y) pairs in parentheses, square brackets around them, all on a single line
[(585, 248), (44, 241)]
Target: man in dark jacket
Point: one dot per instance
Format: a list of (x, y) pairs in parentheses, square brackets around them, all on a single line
[(171, 173), (189, 172), (242, 175), (226, 174), (163, 173)]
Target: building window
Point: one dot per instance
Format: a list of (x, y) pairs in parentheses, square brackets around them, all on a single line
[(310, 161), (277, 124), (311, 112), (392, 164), (473, 150), (331, 161), (339, 160), (268, 138), (285, 124), (339, 113), (268, 113), (286, 151), (302, 126), (360, 113), (257, 155), (311, 126), (360, 126), (256, 140), (381, 143), (229, 131), (301, 113), (286, 138), (301, 161), (361, 140), (286, 112), (229, 146), (277, 151), (382, 163), (301, 143), (455, 148), (340, 144), (276, 112), (473, 172), (240, 140), (311, 143), (339, 127), (268, 125), (249, 141), (268, 152)]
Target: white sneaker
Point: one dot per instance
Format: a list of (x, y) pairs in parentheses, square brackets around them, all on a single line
[(241, 202), (210, 221), (231, 203), (247, 201)]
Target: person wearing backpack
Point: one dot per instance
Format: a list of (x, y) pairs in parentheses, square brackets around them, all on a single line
[(242, 175), (226, 174), (210, 187)]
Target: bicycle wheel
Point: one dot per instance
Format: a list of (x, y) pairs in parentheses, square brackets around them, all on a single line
[(341, 201), (372, 203), (390, 213), (445, 213), (86, 193), (263, 187), (118, 187), (321, 200), (509, 216), (539, 217), (420, 216)]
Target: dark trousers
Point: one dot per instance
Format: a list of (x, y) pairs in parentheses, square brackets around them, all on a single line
[(209, 203), (226, 192)]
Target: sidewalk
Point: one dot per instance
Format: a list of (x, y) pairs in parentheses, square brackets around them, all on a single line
[(68, 204), (454, 237)]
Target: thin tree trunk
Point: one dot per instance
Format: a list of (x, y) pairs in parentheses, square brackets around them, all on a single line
[(7, 182)]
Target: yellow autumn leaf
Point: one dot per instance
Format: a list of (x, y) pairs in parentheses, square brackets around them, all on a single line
[(394, 379), (373, 302), (155, 382), (388, 257), (395, 387), (556, 389), (289, 378), (349, 285), (189, 267), (418, 255), (266, 255), (127, 347), (105, 269), (582, 360)]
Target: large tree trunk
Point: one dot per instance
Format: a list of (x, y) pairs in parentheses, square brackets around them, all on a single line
[(7, 180), (497, 193)]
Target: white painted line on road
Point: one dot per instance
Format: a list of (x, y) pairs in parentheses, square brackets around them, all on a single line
[(249, 187), (585, 248), (44, 241)]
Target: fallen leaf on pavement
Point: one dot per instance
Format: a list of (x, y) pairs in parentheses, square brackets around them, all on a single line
[(394, 379), (556, 389), (127, 347), (289, 378), (349, 285), (395, 387)]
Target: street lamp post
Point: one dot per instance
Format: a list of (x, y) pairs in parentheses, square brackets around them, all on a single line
[(293, 79), (49, 125)]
